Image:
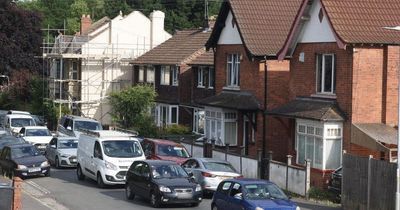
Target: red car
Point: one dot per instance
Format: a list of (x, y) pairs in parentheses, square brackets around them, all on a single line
[(161, 149)]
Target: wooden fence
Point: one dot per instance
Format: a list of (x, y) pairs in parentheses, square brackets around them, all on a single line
[(368, 184)]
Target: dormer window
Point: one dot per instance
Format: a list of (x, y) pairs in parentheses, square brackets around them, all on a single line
[(233, 70), (326, 75)]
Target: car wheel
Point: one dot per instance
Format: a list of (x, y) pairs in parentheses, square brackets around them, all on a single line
[(47, 174), (79, 173), (214, 207), (100, 182), (57, 162), (155, 200), (128, 192)]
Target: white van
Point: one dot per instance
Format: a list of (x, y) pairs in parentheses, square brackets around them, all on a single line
[(105, 155), (14, 122)]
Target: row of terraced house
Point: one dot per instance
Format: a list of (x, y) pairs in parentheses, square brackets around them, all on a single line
[(307, 78)]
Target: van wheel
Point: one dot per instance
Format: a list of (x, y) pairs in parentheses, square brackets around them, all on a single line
[(128, 192), (57, 162), (100, 182), (79, 173), (155, 200)]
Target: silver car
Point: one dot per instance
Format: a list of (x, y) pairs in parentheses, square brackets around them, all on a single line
[(210, 172), (61, 151)]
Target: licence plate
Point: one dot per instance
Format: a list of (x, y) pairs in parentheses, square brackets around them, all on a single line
[(34, 169), (184, 195), (41, 147)]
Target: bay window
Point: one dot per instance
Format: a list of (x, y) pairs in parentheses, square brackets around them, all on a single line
[(319, 142), (198, 121), (221, 125), (165, 114)]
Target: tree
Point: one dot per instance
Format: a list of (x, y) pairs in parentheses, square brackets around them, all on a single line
[(132, 105), (20, 38)]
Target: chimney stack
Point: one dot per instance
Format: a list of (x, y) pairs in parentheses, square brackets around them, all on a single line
[(157, 28), (86, 22)]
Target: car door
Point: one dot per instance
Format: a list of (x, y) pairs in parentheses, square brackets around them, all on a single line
[(136, 178), (234, 202), (221, 196), (192, 166), (146, 180), (95, 160), (51, 150)]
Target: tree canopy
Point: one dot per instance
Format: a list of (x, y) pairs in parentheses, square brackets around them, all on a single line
[(20, 38)]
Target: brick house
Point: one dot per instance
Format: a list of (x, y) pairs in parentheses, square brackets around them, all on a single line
[(246, 39), (343, 83), (173, 68)]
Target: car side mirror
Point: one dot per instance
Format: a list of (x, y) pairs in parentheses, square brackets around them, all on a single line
[(146, 176), (21, 135), (69, 128), (53, 146), (238, 196)]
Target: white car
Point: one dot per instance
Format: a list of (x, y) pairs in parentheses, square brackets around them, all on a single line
[(61, 151), (39, 136)]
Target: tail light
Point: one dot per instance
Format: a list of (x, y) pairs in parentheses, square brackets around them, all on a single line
[(239, 177), (205, 174)]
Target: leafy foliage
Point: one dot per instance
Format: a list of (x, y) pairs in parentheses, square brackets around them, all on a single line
[(176, 129), (132, 105), (20, 38)]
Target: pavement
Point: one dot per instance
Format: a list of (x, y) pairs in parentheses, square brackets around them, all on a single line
[(31, 203)]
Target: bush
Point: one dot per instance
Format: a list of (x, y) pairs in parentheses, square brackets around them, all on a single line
[(322, 195), (176, 129), (146, 127)]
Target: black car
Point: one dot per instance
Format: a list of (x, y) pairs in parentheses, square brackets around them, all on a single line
[(23, 160), (335, 182), (162, 182)]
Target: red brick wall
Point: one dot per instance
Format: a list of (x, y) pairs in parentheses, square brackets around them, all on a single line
[(391, 85)]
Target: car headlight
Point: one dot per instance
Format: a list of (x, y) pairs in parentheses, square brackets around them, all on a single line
[(22, 167), (44, 164), (298, 208), (198, 188), (110, 166), (259, 208), (164, 189)]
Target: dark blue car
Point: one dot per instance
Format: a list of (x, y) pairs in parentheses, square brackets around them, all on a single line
[(250, 194)]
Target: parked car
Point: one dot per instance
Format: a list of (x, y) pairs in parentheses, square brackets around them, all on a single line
[(70, 125), (14, 122), (160, 149), (39, 136), (335, 182), (106, 155), (250, 194), (9, 140), (210, 172), (162, 182), (23, 160), (61, 151)]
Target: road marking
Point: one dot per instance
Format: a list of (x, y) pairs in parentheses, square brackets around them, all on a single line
[(42, 195)]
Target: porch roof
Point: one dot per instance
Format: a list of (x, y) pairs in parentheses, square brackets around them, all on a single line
[(374, 136), (310, 108), (239, 100)]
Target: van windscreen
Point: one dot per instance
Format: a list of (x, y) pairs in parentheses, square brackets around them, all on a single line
[(87, 125), (122, 149), (21, 122)]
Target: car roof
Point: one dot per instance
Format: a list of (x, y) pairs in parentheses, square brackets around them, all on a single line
[(210, 160), (75, 117), (19, 116), (163, 141), (249, 181), (160, 162), (35, 127), (67, 137)]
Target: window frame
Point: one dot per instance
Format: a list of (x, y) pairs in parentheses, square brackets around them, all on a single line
[(321, 73), (175, 75), (233, 70), (165, 75), (141, 74), (150, 74), (160, 108)]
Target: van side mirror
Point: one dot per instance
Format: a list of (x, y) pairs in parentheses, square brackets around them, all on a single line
[(69, 128), (53, 146)]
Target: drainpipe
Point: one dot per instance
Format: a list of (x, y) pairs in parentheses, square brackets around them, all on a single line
[(264, 143)]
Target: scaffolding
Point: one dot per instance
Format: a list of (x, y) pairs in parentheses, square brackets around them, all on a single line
[(81, 72)]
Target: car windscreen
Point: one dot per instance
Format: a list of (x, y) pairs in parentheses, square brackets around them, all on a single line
[(88, 125), (122, 149), (263, 192), (219, 166), (67, 143), (169, 150), (25, 151), (37, 132), (10, 141), (21, 122), (168, 171)]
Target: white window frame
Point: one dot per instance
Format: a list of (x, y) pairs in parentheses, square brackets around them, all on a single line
[(321, 78), (141, 74), (150, 74), (211, 77), (233, 70), (159, 110), (325, 136), (215, 120), (200, 77), (198, 115), (175, 75), (165, 75)]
